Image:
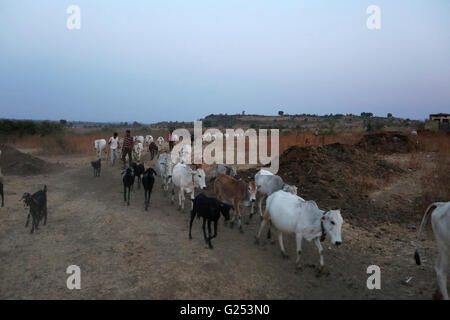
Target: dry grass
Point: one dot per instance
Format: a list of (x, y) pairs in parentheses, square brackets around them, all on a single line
[(308, 138), (435, 180), (58, 144)]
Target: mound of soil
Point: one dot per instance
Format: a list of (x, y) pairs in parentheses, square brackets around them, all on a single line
[(14, 162), (336, 176), (386, 143)]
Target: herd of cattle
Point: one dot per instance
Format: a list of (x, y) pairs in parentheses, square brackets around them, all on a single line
[(138, 148), (284, 209)]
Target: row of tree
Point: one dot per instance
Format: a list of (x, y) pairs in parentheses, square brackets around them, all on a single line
[(29, 127)]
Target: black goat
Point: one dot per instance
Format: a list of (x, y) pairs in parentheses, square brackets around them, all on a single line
[(139, 170), (38, 207), (128, 182), (97, 165), (147, 182), (209, 209)]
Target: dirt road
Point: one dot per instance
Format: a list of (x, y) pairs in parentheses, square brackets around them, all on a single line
[(127, 253)]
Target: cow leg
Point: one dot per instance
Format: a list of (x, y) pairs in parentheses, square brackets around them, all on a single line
[(124, 193), (209, 234), (441, 273), (129, 194), (298, 238), (239, 220), (172, 200), (183, 200), (319, 247), (269, 233), (260, 206), (231, 223), (180, 197), (261, 227), (190, 223), (280, 240)]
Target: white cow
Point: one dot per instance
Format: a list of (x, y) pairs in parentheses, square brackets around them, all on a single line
[(291, 214), (119, 150), (160, 140), (138, 148), (185, 154), (440, 221), (266, 184), (148, 139), (228, 170), (100, 146), (186, 180), (139, 138), (165, 165)]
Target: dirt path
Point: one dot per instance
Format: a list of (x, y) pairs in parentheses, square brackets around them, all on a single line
[(127, 253)]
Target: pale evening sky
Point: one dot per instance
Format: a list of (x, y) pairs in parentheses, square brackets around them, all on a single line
[(181, 60)]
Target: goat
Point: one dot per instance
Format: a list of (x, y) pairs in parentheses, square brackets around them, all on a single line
[(97, 165), (128, 182), (38, 207), (209, 209), (138, 170), (147, 182)]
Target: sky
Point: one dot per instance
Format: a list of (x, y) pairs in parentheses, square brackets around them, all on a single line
[(179, 60)]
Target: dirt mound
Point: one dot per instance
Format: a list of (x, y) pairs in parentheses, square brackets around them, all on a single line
[(336, 176), (386, 143), (14, 162)]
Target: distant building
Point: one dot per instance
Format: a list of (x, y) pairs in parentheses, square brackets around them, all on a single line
[(442, 120)]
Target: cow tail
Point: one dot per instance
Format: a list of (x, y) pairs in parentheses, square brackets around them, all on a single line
[(422, 226)]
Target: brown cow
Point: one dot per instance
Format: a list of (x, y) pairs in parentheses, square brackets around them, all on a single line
[(228, 189), (153, 148)]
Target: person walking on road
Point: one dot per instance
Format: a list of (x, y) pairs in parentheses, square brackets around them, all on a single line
[(127, 148), (114, 146)]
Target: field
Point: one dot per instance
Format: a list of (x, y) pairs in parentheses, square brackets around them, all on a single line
[(382, 185)]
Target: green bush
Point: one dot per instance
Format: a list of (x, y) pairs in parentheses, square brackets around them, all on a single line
[(29, 127)]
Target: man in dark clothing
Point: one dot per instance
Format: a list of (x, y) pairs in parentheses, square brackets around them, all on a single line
[(127, 148)]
